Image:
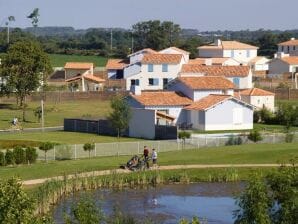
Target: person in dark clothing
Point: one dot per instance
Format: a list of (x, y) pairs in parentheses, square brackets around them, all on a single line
[(146, 156)]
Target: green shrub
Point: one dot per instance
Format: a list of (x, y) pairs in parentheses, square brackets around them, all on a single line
[(255, 136), (9, 158), (2, 158), (184, 135), (31, 155), (289, 137), (234, 141), (64, 152), (19, 155), (9, 144)]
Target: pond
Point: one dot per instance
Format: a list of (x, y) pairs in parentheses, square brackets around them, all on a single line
[(213, 202)]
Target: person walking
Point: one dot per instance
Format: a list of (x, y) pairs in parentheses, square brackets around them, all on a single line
[(154, 158)]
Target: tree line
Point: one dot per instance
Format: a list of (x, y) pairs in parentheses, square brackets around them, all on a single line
[(153, 34)]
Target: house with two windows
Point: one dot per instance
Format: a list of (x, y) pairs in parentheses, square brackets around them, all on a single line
[(289, 47)]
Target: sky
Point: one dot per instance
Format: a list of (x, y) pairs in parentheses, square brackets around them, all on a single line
[(204, 15)]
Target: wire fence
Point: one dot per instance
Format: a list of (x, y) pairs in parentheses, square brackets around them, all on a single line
[(64, 152)]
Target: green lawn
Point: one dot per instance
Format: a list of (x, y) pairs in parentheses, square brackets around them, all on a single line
[(54, 112), (59, 60), (61, 137), (254, 153)]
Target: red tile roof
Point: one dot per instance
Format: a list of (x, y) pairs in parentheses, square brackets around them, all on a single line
[(213, 70), (207, 82), (229, 45), (78, 65), (116, 64), (177, 49), (291, 60), (162, 59), (256, 92), (145, 50), (289, 43), (207, 102), (162, 98), (89, 77), (215, 61)]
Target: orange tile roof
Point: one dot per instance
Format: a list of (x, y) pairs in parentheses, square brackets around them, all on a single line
[(78, 65), (162, 59), (89, 77), (207, 82), (256, 92), (289, 43), (229, 45), (145, 50), (179, 50), (202, 61), (207, 102), (213, 70), (117, 64), (291, 60), (162, 98)]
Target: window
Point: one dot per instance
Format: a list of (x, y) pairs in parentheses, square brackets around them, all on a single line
[(236, 81), (164, 67), (150, 67), (134, 82), (294, 48), (288, 49), (247, 53), (153, 82), (237, 115), (165, 82), (232, 53), (282, 48)]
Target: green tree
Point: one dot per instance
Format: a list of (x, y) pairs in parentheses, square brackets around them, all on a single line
[(89, 147), (15, 205), (24, 67), (255, 136), (254, 203), (287, 114), (120, 115), (19, 155), (9, 157), (2, 159), (34, 16), (46, 146), (31, 155), (268, 44)]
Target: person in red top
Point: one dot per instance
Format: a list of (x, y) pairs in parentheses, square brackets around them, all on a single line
[(146, 156)]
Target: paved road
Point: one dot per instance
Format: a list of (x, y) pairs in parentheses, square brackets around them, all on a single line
[(171, 167)]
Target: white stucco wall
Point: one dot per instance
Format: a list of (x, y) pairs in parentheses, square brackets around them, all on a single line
[(157, 73), (131, 69), (137, 57), (259, 101), (243, 56), (244, 82), (142, 124)]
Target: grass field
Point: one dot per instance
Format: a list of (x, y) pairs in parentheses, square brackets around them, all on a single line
[(61, 137), (59, 60), (54, 112), (259, 153)]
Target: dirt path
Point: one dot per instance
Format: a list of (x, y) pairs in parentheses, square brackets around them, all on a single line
[(170, 167)]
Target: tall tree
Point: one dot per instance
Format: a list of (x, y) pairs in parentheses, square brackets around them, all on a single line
[(34, 16), (155, 34), (120, 114), (24, 68)]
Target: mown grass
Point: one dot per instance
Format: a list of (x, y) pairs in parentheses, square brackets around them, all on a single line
[(62, 137), (254, 153), (54, 112), (59, 60)]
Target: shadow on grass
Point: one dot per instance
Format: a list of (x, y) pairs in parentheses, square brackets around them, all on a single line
[(9, 106)]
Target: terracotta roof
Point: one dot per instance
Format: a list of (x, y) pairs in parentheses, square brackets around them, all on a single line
[(146, 50), (213, 70), (229, 45), (89, 77), (176, 49), (117, 64), (291, 60), (256, 92), (207, 82), (202, 61), (289, 43), (78, 65), (207, 102), (162, 58), (162, 98)]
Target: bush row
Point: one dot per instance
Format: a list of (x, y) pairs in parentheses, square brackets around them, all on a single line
[(18, 155)]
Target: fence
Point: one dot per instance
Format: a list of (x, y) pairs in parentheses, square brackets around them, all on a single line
[(62, 152)]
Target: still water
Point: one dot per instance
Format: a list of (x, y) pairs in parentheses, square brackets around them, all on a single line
[(167, 204)]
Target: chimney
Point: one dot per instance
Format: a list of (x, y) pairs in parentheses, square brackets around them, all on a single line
[(218, 42), (208, 61), (136, 90)]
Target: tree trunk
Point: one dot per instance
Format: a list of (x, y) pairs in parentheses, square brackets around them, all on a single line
[(45, 156), (118, 132)]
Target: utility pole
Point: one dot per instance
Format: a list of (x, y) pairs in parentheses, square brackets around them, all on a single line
[(111, 39), (7, 24)]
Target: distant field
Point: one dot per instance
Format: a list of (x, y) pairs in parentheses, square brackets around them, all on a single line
[(54, 112), (59, 60)]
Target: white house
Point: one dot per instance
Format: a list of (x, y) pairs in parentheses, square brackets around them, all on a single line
[(289, 47), (138, 55), (220, 112), (258, 97), (259, 65), (201, 86), (115, 68), (156, 71), (283, 64), (228, 49), (73, 69), (241, 76), (175, 50), (215, 61)]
